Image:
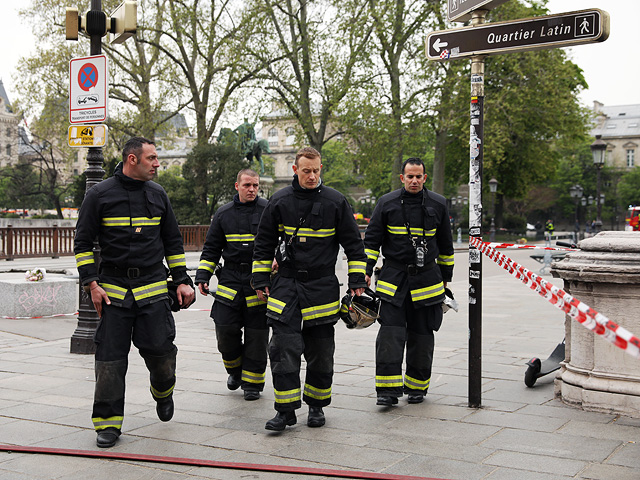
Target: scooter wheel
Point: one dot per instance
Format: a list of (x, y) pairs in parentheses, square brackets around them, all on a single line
[(531, 375)]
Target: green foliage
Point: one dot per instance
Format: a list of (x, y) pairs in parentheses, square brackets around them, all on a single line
[(337, 167), (629, 188)]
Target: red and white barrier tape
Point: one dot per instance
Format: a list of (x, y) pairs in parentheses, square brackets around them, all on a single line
[(528, 247), (573, 307), (42, 316)]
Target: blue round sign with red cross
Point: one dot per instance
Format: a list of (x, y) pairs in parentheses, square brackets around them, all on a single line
[(87, 76)]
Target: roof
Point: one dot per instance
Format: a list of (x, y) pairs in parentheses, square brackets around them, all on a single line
[(617, 121), (5, 97)]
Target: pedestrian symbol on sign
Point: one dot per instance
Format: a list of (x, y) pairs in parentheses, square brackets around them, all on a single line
[(87, 77)]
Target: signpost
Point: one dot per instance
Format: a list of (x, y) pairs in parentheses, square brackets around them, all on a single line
[(459, 10), (550, 31), (88, 95)]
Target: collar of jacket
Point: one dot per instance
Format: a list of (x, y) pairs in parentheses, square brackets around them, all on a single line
[(406, 194), (238, 203), (127, 182), (297, 188)]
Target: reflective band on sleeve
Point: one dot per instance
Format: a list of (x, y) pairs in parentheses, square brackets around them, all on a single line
[(151, 290), (445, 260), (386, 287), (415, 383), (262, 266), (389, 381), (116, 222), (237, 237), (317, 393), (287, 396), (144, 221), (320, 311), (159, 394), (254, 301), (357, 267), (252, 377), (428, 292), (235, 363), (205, 265), (84, 259), (372, 254), (275, 305), (177, 260), (100, 423), (114, 291), (226, 292)]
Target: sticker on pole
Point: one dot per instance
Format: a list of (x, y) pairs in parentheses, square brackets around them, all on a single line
[(88, 95), (88, 135)]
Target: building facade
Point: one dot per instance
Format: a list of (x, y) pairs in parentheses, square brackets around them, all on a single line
[(619, 126), (9, 134)]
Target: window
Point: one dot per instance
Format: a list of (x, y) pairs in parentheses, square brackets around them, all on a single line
[(631, 154), (273, 132), (290, 131), (8, 132), (8, 150)]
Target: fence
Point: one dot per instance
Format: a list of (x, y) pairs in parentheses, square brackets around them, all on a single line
[(24, 242)]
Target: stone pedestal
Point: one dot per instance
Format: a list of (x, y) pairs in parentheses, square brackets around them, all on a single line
[(604, 274), (52, 296)]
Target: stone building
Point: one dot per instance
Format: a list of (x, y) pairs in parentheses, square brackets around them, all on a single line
[(619, 126), (9, 133), (279, 128)]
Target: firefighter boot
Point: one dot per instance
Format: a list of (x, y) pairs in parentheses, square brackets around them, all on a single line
[(162, 373), (108, 403), (107, 438), (281, 420), (316, 417)]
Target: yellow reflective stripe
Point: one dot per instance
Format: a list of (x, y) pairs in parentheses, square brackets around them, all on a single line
[(415, 383), (388, 380), (205, 265), (114, 290), (142, 221), (319, 311), (445, 260), (179, 260), (357, 267), (280, 227), (252, 377), (235, 363), (402, 230), (317, 393), (159, 394), (428, 292), (386, 287), (275, 305), (84, 258), (116, 221), (372, 254), (237, 237), (261, 266), (309, 232), (254, 301), (287, 396), (226, 292), (100, 423), (150, 290)]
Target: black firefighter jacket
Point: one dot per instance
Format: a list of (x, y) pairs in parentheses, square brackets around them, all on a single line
[(136, 228), (429, 224), (315, 223), (231, 236)]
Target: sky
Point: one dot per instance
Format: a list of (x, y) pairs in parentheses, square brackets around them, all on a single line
[(611, 68)]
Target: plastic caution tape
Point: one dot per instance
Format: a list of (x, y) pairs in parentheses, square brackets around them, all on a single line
[(573, 307), (42, 316), (527, 247)]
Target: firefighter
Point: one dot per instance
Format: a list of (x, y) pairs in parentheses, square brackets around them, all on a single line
[(411, 226), (236, 306), (304, 224), (135, 225)]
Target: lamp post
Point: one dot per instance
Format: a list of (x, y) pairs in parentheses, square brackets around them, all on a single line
[(599, 150), (576, 194), (493, 188)]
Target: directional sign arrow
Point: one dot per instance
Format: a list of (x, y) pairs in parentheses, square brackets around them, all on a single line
[(550, 31)]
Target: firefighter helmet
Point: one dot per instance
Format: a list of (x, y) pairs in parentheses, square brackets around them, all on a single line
[(449, 302), (360, 311)]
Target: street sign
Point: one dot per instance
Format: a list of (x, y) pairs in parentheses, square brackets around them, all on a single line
[(88, 89), (88, 135), (550, 31), (460, 10)]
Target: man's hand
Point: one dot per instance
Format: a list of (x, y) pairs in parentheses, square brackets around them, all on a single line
[(204, 288), (263, 295), (368, 280), (357, 291), (186, 295), (98, 295)]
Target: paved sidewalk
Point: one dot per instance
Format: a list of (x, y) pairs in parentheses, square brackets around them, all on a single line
[(519, 433)]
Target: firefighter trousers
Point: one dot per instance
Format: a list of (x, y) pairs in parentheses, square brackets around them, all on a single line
[(400, 326), (152, 330), (245, 358), (289, 341)]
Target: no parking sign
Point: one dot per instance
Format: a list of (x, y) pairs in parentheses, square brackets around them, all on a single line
[(88, 93)]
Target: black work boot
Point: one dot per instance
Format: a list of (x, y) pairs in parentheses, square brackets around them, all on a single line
[(386, 401), (107, 438), (164, 409), (233, 382), (281, 420), (316, 417), (415, 398), (251, 395)]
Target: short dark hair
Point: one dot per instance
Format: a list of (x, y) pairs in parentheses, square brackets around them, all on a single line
[(413, 161), (247, 171), (308, 152), (134, 145)]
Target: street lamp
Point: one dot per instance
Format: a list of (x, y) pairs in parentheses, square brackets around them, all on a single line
[(576, 194), (599, 150), (493, 187)]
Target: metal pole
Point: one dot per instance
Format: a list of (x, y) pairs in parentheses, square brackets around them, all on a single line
[(82, 338), (598, 202), (476, 141)]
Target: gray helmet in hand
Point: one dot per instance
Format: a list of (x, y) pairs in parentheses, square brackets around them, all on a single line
[(360, 311)]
